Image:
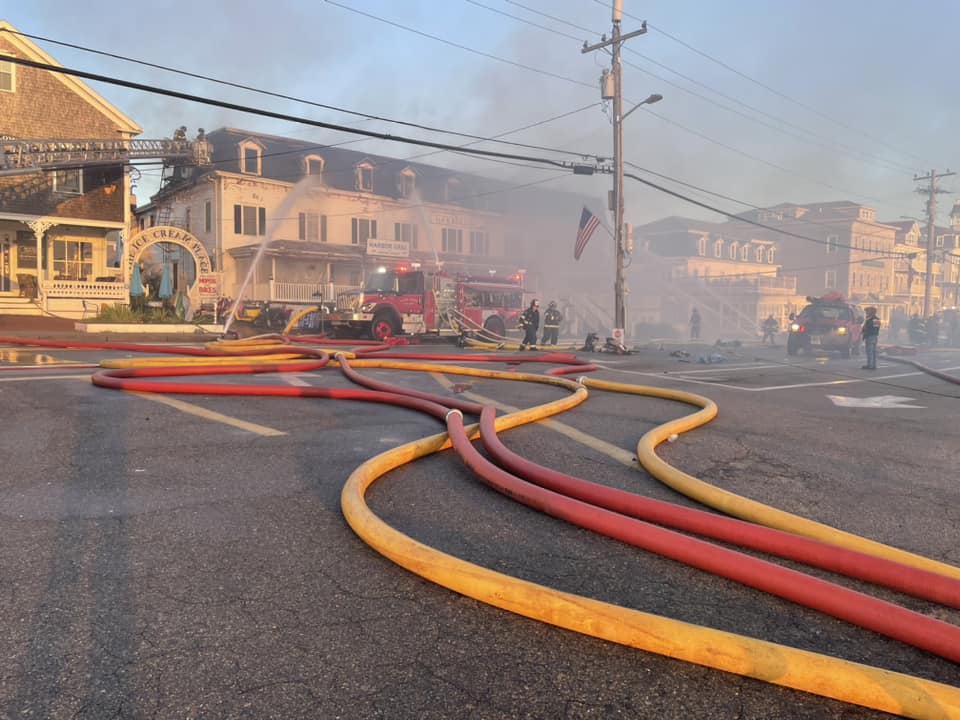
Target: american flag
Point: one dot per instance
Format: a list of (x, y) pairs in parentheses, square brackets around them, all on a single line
[(588, 223)]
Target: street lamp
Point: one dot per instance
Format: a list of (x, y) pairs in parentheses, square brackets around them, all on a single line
[(619, 310)]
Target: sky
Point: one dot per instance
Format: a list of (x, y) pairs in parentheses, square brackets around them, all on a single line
[(811, 100)]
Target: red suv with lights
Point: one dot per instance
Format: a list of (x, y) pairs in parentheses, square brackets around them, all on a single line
[(828, 323)]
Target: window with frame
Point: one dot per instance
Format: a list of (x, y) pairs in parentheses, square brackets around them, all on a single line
[(187, 217), (365, 177), (313, 227), (314, 165), (702, 246), (406, 183), (451, 240), (830, 279), (7, 76), (361, 230), (832, 243), (72, 259), (759, 253), (771, 255), (406, 232), (68, 181), (451, 190), (718, 248), (250, 156), (207, 216), (479, 242), (249, 220), (733, 250), (744, 252)]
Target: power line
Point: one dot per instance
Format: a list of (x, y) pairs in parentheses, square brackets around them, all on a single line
[(820, 140), (800, 221), (227, 83), (768, 88), (490, 56), (739, 218), (279, 116)]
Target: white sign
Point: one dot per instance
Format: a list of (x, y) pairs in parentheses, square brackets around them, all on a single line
[(618, 336), (388, 248), (880, 401)]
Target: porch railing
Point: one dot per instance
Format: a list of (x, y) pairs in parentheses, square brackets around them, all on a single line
[(80, 289), (293, 292)]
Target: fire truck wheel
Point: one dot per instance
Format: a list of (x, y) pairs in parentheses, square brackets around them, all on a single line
[(494, 326), (384, 325)]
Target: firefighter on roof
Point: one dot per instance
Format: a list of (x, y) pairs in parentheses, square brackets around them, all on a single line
[(551, 324)]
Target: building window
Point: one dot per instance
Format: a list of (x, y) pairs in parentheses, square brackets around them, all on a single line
[(186, 219), (250, 156), (451, 240), (718, 248), (939, 241), (733, 250), (365, 177), (68, 181), (407, 182), (832, 242), (314, 165), (313, 227), (745, 252), (405, 232), (702, 246), (72, 259), (362, 230), (830, 280), (249, 220), (7, 76), (479, 242), (771, 255), (759, 253), (207, 216)]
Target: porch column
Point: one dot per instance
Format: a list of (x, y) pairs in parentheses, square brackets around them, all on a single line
[(39, 228)]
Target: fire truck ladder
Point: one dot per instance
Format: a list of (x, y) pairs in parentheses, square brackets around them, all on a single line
[(21, 157)]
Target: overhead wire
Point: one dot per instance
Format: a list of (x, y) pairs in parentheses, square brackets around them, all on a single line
[(219, 81), (769, 88)]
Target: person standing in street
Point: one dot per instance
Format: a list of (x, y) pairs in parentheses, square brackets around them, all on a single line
[(530, 322), (695, 325), (770, 327), (870, 334), (551, 324)]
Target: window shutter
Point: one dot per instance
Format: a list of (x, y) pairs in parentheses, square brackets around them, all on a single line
[(262, 221), (237, 220), (354, 231), (323, 228), (373, 229), (303, 226)]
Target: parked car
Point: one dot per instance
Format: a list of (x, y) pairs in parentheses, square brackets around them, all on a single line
[(828, 323)]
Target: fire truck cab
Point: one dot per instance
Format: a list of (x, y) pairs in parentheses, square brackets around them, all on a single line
[(413, 302)]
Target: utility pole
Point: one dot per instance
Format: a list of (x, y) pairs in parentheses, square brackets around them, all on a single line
[(931, 193), (615, 77)]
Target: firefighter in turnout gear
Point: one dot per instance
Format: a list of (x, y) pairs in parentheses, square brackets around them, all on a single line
[(529, 322), (551, 324)]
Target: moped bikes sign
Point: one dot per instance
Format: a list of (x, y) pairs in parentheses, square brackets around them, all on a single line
[(206, 281)]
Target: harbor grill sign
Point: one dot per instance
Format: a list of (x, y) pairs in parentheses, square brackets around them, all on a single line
[(206, 278)]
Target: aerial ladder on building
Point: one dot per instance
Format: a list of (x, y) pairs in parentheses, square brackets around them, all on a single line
[(28, 156)]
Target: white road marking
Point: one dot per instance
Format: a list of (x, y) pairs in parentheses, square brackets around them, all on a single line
[(879, 401), (37, 378), (209, 414), (294, 379)]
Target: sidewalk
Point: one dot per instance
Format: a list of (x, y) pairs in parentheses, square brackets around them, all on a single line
[(54, 328)]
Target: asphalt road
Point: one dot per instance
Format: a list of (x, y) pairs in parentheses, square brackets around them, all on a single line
[(186, 557)]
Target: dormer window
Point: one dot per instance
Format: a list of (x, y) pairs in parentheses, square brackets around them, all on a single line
[(759, 253), (771, 255), (406, 182), (251, 153), (313, 165), (702, 246), (451, 190), (745, 252), (734, 246), (718, 248), (365, 177)]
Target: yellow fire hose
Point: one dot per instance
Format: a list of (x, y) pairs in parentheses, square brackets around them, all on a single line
[(823, 675)]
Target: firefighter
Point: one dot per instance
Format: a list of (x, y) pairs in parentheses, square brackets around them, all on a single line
[(529, 322), (551, 324)]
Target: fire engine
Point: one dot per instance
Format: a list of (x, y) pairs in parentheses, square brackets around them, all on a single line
[(414, 302)]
